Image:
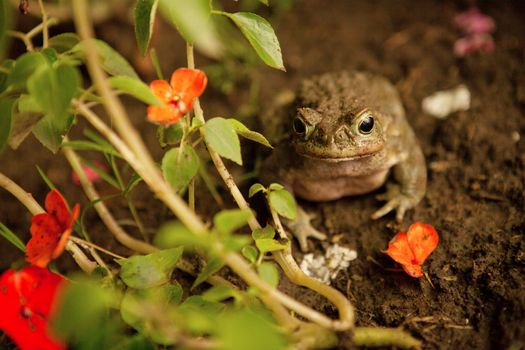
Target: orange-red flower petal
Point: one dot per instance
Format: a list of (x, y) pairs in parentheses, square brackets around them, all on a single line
[(162, 90), (28, 300), (188, 84), (412, 248), (164, 115), (51, 230)]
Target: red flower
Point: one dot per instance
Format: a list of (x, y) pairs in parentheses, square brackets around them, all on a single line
[(412, 248), (91, 174), (50, 231), (28, 300), (177, 98)]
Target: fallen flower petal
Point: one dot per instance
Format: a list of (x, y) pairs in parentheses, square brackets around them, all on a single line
[(50, 231), (28, 298), (474, 43), (177, 97), (412, 248), (473, 21)]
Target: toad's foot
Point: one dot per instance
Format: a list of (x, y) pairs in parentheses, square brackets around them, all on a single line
[(397, 200), (301, 228)]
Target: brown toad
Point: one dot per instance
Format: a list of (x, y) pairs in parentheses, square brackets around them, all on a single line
[(339, 137)]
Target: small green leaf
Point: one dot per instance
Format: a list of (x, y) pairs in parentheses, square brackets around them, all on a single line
[(200, 314), (50, 133), (151, 270), (23, 121), (269, 273), (212, 266), (265, 2), (219, 293), (6, 120), (275, 187), (255, 188), (170, 135), (135, 88), (222, 138), (227, 221), (144, 19), (24, 67), (283, 203), (267, 232), (175, 234), (235, 243), (261, 36), (243, 131), (266, 245), (179, 169), (12, 237), (250, 252), (64, 42), (112, 62), (192, 20)]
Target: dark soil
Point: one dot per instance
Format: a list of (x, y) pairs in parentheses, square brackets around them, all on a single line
[(476, 165)]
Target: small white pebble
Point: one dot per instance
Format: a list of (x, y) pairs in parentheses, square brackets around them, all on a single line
[(515, 136), (325, 268), (442, 103)]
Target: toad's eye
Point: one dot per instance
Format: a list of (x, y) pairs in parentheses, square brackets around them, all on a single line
[(366, 125), (299, 126)]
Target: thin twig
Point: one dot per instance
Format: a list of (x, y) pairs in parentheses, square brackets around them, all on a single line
[(45, 33), (83, 242)]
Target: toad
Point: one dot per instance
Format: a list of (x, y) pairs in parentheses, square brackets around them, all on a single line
[(340, 136)]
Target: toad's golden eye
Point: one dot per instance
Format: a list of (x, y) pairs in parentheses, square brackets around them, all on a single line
[(299, 126), (366, 125)]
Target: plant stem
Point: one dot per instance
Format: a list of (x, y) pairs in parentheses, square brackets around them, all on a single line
[(45, 33), (34, 208), (377, 336), (83, 242), (23, 37)]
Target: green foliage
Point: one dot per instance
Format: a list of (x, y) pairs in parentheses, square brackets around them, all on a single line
[(191, 18), (144, 19), (250, 253), (211, 267), (12, 237), (84, 145), (283, 203), (112, 62), (269, 273), (261, 36), (170, 135), (267, 232), (227, 221), (256, 188), (255, 327), (146, 271), (135, 88), (220, 293), (180, 166), (175, 234), (199, 314), (137, 305), (243, 131), (265, 242), (23, 68), (222, 138), (6, 121), (64, 42)]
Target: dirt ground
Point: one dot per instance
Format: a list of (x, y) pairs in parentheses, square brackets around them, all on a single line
[(476, 165)]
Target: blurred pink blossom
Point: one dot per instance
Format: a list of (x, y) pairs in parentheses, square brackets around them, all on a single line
[(90, 173), (473, 43), (473, 21)]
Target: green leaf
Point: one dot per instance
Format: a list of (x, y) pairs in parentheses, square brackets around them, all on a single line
[(265, 2), (136, 304), (46, 179), (175, 234), (219, 293), (255, 327), (144, 19), (82, 145), (235, 243), (266, 245), (275, 187), (170, 135), (267, 232), (283, 203), (255, 188), (64, 42), (24, 67), (53, 88), (227, 221), (6, 120), (12, 237), (200, 314), (179, 169), (135, 88), (192, 20), (112, 62), (269, 273), (222, 138), (261, 36), (243, 131), (250, 252), (151, 270), (23, 121), (211, 267)]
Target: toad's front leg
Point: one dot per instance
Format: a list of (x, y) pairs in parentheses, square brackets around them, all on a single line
[(411, 173)]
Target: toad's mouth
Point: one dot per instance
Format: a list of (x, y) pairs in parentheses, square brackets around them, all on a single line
[(339, 158)]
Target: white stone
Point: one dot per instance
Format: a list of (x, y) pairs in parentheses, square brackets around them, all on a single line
[(443, 103), (326, 268)]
